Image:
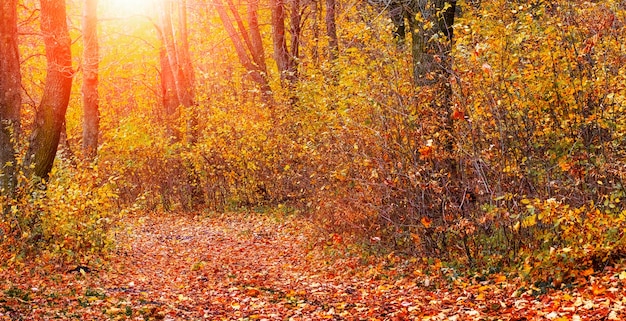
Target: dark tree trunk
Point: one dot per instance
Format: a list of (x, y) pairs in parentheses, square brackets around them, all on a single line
[(331, 29), (10, 95), (257, 51), (91, 114), (282, 57), (295, 19), (51, 112), (431, 54)]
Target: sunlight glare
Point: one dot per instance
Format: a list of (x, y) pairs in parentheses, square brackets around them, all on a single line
[(128, 8)]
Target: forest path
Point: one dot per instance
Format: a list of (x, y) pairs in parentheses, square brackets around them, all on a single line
[(253, 267), (262, 267)]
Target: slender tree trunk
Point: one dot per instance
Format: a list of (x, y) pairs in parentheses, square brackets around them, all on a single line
[(176, 54), (51, 112), (281, 53), (176, 58), (397, 14), (10, 95), (295, 20), (184, 57), (251, 57), (186, 72), (91, 114), (331, 30), (168, 86), (257, 51), (316, 12)]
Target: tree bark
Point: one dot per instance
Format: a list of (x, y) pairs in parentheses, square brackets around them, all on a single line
[(282, 57), (295, 20), (183, 56), (168, 86), (397, 15), (91, 114), (331, 30), (431, 26), (250, 56), (10, 95), (179, 69), (257, 51), (176, 57), (50, 114)]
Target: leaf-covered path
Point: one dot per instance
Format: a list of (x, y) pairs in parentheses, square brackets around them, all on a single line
[(256, 267)]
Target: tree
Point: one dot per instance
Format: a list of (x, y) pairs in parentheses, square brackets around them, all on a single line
[(284, 59), (50, 114), (180, 73), (331, 29), (247, 42), (431, 23), (91, 115), (10, 94)]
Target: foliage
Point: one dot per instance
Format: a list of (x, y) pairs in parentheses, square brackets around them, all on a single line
[(515, 159), (67, 220), (533, 115)]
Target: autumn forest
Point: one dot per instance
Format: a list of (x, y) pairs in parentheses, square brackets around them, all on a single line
[(312, 160)]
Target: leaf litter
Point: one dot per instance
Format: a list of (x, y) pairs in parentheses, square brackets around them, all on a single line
[(239, 266)]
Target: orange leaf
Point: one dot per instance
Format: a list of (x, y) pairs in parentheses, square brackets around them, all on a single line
[(597, 289), (426, 151), (587, 272), (457, 115), (426, 221), (253, 292)]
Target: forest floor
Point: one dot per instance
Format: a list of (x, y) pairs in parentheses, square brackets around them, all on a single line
[(263, 267)]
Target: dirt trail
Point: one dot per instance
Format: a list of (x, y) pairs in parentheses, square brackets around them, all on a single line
[(252, 268), (259, 267), (228, 267)]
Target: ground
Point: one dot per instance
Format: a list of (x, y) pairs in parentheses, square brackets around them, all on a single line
[(265, 267)]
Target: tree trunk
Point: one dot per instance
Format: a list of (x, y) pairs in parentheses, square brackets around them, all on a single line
[(186, 72), (331, 30), (91, 114), (176, 50), (10, 95), (51, 112), (431, 26), (184, 57), (250, 56), (176, 57), (295, 19), (257, 51), (168, 86), (281, 53), (397, 15)]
